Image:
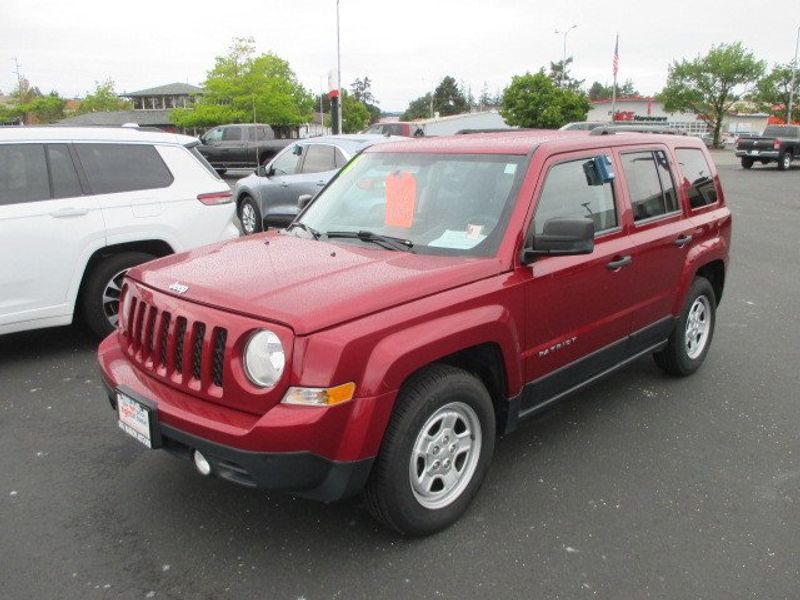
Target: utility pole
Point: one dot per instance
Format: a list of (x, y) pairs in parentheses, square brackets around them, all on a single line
[(794, 78), (563, 55)]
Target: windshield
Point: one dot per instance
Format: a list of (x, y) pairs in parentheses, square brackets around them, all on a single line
[(435, 203)]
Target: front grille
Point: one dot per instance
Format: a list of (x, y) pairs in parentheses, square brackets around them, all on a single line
[(157, 340)]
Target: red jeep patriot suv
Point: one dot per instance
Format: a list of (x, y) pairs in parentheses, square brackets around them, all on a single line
[(433, 294)]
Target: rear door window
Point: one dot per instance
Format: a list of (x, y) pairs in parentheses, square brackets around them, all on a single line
[(650, 185), (697, 180), (567, 193), (319, 158), (63, 176), (23, 173), (114, 168)]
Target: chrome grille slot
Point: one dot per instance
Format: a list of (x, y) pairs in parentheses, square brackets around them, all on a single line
[(164, 338), (180, 334), (220, 336), (197, 349)]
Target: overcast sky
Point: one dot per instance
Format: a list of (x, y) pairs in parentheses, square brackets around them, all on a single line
[(405, 47)]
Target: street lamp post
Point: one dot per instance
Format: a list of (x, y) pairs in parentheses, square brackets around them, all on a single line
[(794, 75), (564, 54), (338, 72)]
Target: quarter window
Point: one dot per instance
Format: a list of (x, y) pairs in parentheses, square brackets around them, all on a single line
[(319, 158), (62, 172), (697, 180), (23, 173), (650, 185), (567, 193), (123, 167)]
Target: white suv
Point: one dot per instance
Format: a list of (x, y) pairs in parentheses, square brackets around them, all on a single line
[(79, 206)]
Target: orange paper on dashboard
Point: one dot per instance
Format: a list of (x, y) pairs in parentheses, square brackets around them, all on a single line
[(401, 200)]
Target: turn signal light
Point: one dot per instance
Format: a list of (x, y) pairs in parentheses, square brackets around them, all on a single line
[(320, 396), (215, 198)]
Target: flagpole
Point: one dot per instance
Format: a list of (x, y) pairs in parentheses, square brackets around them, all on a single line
[(614, 85)]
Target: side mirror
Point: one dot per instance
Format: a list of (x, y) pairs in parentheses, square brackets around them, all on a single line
[(302, 201), (561, 236), (261, 171)]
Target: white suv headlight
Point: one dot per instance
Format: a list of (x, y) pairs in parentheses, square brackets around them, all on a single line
[(264, 358)]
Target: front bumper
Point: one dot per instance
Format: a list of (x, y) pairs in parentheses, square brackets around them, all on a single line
[(314, 452)]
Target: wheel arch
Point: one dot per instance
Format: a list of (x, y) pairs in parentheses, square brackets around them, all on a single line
[(714, 272), (156, 247)]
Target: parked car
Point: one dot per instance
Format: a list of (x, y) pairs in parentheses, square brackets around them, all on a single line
[(584, 125), (778, 143), (385, 352), (79, 206), (241, 145), (270, 195), (397, 128)]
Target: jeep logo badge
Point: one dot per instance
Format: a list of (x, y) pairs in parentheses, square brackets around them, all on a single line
[(179, 288)]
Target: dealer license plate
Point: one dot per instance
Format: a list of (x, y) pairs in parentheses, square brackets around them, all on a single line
[(135, 419)]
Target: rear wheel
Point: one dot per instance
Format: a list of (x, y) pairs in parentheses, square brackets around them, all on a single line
[(435, 452), (99, 302), (691, 338), (785, 161), (250, 216), (747, 163)]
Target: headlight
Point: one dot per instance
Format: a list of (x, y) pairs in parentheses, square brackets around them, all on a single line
[(264, 358)]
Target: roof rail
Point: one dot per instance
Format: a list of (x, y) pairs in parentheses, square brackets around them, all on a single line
[(490, 130), (610, 129)]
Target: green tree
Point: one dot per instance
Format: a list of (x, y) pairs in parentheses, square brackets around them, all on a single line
[(486, 101), (773, 90), (710, 85), (418, 109), (362, 91), (559, 73), (44, 109), (449, 98), (103, 99), (599, 91), (244, 86), (355, 114), (534, 100)]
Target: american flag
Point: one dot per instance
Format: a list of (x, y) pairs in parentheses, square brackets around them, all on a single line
[(615, 64)]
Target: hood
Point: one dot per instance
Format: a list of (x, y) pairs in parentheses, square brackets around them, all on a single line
[(306, 284)]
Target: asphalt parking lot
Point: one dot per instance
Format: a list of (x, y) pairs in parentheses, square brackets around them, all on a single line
[(642, 486)]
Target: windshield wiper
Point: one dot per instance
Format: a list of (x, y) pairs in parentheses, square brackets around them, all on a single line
[(387, 241), (305, 227)]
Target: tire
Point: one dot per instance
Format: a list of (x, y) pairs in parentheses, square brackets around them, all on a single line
[(785, 161), (684, 353), (747, 163), (99, 302), (250, 216), (445, 402)]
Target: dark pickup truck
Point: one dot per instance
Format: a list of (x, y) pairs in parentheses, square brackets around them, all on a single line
[(240, 146), (778, 143)]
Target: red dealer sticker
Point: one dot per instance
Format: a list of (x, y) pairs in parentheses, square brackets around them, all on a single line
[(401, 200)]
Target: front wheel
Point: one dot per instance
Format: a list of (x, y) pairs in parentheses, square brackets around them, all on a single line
[(691, 338), (747, 163), (100, 295), (250, 216), (435, 453)]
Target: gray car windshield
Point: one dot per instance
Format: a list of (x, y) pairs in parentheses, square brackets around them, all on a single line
[(435, 203)]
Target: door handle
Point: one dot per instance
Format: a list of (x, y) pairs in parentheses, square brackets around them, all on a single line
[(683, 240), (284, 184), (320, 183), (62, 213), (618, 262)]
